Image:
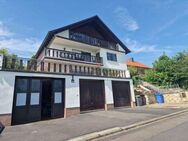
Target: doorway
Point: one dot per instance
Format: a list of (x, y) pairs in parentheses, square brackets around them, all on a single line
[(92, 94), (46, 99), (121, 93), (37, 98)]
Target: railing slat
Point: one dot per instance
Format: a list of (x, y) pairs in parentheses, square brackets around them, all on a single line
[(55, 53)]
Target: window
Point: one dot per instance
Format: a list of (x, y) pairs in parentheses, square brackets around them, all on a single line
[(58, 97), (58, 85), (21, 99), (21, 85), (111, 57), (35, 85), (34, 98)]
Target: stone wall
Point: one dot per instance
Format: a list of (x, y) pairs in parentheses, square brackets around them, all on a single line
[(175, 97)]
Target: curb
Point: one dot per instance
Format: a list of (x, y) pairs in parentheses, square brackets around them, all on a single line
[(109, 131)]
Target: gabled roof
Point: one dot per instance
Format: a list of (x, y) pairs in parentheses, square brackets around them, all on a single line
[(136, 64), (52, 33)]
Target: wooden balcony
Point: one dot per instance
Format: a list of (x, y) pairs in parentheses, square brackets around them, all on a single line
[(72, 56), (59, 67), (92, 41)]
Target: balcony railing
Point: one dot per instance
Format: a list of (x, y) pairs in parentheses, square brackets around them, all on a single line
[(92, 41), (33, 65), (61, 54)]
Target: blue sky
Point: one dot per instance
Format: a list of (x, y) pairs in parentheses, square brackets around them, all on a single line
[(147, 27)]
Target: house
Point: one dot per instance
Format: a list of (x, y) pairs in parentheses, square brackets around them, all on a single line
[(77, 68), (139, 66)]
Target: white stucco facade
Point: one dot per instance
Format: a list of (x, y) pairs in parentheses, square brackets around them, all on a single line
[(72, 91)]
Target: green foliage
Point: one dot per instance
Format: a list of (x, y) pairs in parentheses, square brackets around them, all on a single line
[(8, 57), (4, 51), (136, 77), (169, 71)]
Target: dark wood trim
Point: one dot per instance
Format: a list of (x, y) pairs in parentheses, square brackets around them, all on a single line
[(64, 74), (88, 44)]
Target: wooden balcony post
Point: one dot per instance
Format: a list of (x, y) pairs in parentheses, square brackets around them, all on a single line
[(70, 68), (80, 69), (65, 68), (60, 68)]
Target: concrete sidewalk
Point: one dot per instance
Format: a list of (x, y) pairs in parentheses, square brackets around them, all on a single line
[(63, 129)]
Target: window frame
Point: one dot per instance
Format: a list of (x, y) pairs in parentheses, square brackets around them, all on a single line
[(111, 56)]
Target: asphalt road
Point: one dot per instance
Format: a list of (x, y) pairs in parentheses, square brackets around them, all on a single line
[(173, 129), (63, 129)]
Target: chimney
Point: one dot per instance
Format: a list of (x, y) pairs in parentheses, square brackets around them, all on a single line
[(130, 59)]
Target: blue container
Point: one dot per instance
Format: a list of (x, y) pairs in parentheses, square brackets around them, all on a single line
[(159, 98)]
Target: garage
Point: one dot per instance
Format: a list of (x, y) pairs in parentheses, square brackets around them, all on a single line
[(92, 94), (121, 93), (37, 99)]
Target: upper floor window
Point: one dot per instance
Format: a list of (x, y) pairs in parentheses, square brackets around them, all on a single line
[(111, 57)]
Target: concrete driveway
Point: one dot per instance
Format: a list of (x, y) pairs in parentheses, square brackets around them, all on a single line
[(63, 129)]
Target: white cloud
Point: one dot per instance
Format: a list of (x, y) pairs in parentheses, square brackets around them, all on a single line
[(4, 31), (154, 49), (125, 19), (22, 47), (137, 47)]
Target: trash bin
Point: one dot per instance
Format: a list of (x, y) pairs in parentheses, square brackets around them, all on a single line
[(138, 100), (159, 98)]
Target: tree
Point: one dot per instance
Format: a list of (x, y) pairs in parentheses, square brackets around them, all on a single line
[(4, 51), (169, 71), (8, 57)]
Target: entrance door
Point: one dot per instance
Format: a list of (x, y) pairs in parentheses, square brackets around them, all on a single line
[(26, 105), (91, 95), (46, 99), (37, 98), (58, 88), (121, 93), (52, 98)]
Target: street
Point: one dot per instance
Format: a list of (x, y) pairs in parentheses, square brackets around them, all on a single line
[(172, 129), (63, 129)]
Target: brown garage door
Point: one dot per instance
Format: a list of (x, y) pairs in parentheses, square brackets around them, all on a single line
[(121, 93), (91, 94)]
